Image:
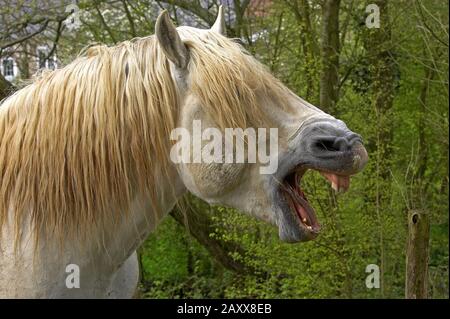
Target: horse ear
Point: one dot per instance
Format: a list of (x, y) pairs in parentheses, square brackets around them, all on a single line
[(170, 41), (219, 26)]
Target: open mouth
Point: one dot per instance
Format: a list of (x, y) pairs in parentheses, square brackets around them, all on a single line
[(299, 203)]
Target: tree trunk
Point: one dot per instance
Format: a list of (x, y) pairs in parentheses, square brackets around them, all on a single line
[(382, 71), (309, 47), (416, 286), (329, 79), (378, 45), (5, 87), (417, 255), (200, 225)]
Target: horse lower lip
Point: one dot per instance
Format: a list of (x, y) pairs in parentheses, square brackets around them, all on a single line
[(299, 203)]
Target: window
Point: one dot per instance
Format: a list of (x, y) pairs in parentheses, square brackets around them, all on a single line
[(8, 67), (51, 63), (44, 61)]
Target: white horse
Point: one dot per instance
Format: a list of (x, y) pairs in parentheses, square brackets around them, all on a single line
[(85, 173)]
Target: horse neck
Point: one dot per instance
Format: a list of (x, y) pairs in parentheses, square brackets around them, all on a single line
[(142, 218)]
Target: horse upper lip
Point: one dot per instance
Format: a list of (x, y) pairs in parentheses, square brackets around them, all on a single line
[(360, 157), (348, 162)]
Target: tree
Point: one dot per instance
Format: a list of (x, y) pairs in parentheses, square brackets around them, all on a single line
[(382, 74), (195, 216), (329, 79)]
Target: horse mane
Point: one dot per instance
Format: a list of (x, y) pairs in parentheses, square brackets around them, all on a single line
[(77, 143)]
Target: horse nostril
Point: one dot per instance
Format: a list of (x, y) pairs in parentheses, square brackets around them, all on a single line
[(326, 145), (332, 144)]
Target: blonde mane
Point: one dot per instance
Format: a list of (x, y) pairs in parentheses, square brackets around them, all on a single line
[(76, 144)]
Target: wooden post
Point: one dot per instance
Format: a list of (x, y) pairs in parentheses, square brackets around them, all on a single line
[(417, 255)]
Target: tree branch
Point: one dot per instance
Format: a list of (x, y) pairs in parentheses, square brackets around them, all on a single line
[(130, 19), (28, 36), (105, 25)]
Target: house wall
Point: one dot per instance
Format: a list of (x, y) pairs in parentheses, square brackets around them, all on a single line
[(27, 64)]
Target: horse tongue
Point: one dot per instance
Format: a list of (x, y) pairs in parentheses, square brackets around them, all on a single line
[(339, 183)]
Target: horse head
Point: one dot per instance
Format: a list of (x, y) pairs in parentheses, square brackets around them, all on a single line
[(221, 85)]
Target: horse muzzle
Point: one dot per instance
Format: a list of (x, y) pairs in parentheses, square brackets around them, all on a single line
[(328, 147)]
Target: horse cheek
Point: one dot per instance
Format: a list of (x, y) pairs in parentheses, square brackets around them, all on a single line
[(214, 180)]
